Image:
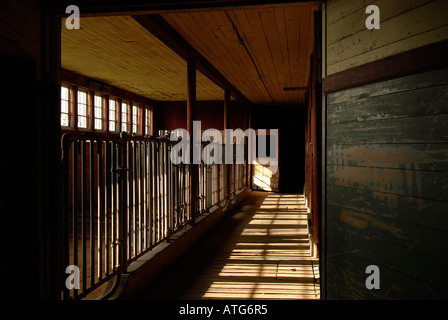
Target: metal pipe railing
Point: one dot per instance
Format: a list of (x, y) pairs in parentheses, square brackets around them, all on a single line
[(122, 197)]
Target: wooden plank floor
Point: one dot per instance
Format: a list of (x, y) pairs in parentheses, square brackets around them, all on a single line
[(259, 251)]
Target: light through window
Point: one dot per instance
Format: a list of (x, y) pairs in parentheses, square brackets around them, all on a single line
[(135, 119), (82, 109), (98, 112), (112, 113), (65, 106), (124, 116)]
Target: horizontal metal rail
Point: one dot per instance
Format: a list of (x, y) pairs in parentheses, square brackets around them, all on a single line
[(122, 196)]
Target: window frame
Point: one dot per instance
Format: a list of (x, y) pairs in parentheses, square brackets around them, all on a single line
[(124, 122), (87, 109), (115, 120), (69, 112), (84, 106), (95, 108)]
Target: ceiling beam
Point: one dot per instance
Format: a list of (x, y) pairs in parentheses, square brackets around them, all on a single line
[(161, 29)]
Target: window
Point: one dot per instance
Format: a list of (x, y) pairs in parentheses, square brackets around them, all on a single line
[(112, 113), (98, 101), (135, 119), (82, 109), (65, 106), (124, 116), (147, 121), (95, 110)]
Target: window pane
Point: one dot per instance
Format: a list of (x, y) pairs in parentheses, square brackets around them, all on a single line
[(64, 120), (98, 101), (82, 97), (82, 109), (82, 122), (98, 113), (124, 116), (98, 124), (64, 106), (64, 93)]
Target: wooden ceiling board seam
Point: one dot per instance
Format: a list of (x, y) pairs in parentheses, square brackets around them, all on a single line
[(243, 55), (245, 29), (272, 39), (260, 59), (105, 30), (178, 21)]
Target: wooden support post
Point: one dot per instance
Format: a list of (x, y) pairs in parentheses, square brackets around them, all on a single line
[(191, 104)]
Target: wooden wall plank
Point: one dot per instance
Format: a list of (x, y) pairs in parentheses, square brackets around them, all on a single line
[(386, 187), (424, 129), (354, 23), (410, 262), (402, 236), (424, 157), (348, 277), (341, 9), (404, 26), (424, 184), (420, 102), (393, 206)]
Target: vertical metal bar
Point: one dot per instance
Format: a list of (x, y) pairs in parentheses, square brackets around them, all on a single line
[(134, 203), (83, 215), (162, 191), (75, 207), (108, 168), (151, 193), (130, 195), (161, 211), (148, 194), (123, 218), (145, 199), (170, 191), (165, 193), (156, 192), (100, 208), (141, 212), (161, 207), (137, 181), (114, 153), (65, 217), (92, 209)]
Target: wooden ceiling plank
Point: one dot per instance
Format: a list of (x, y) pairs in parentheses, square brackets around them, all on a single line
[(242, 66), (244, 28), (124, 63), (281, 25), (167, 34), (305, 34), (273, 40)]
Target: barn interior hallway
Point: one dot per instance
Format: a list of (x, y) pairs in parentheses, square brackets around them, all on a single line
[(260, 250)]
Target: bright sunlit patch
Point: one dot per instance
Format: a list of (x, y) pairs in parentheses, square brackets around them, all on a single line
[(271, 257)]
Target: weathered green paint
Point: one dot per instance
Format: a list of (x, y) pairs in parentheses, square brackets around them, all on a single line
[(423, 157), (387, 188)]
